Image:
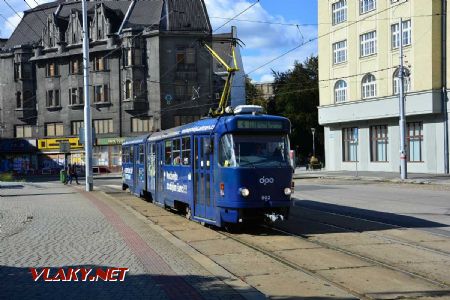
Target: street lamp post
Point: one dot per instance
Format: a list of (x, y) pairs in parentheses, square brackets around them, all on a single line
[(313, 131)]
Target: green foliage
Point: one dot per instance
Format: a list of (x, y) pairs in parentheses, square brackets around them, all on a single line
[(297, 98), (6, 177)]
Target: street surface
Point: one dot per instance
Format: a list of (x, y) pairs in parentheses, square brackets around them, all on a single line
[(343, 240)]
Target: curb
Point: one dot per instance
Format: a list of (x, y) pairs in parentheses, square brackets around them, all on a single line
[(374, 179), (241, 287)]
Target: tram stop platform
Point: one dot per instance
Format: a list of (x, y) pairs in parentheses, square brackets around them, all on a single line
[(49, 225)]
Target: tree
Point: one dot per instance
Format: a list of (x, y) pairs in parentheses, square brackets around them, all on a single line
[(297, 98)]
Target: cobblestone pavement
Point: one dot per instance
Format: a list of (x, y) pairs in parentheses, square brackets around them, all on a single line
[(49, 225)]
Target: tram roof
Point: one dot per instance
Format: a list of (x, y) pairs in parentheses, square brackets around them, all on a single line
[(136, 140), (206, 125)]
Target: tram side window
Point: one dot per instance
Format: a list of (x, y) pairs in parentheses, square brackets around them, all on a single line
[(141, 154), (168, 153), (131, 155), (186, 149), (176, 152), (124, 155)]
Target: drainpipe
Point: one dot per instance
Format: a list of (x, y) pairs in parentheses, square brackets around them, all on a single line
[(120, 97), (444, 84)]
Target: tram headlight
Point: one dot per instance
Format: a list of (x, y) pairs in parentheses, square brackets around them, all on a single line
[(244, 192), (287, 191)]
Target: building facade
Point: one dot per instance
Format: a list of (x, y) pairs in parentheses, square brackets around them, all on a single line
[(148, 71), (359, 84)]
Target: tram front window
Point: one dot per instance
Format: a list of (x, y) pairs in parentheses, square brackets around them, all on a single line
[(254, 151)]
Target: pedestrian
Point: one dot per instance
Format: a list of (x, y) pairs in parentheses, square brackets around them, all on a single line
[(73, 173), (68, 174)]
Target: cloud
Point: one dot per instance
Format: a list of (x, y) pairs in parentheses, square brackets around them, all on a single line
[(12, 23), (263, 39), (13, 19)]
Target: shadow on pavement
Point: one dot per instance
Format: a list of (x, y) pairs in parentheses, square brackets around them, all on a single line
[(376, 216), (18, 283), (11, 186), (36, 194)]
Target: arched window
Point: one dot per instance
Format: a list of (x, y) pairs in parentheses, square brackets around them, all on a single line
[(406, 81), (128, 89), (369, 86), (340, 91)]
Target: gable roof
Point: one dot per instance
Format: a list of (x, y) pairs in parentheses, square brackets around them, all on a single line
[(184, 15)]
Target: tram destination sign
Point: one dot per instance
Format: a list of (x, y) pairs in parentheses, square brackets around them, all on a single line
[(259, 124)]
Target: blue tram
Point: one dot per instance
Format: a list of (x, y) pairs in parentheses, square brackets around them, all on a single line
[(225, 170)]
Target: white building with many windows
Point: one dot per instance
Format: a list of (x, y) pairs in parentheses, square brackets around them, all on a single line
[(359, 72)]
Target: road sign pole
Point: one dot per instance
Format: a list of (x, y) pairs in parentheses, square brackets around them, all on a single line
[(87, 104)]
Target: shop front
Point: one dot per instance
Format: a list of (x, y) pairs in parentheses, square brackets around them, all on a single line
[(51, 159), (18, 156), (107, 154)]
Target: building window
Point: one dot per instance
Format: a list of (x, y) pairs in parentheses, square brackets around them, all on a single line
[(367, 5), (103, 126), (53, 98), (180, 90), (142, 124), (185, 58), (101, 93), (340, 91), (23, 131), (128, 90), (339, 11), (76, 127), (350, 144), (369, 86), (378, 143), (395, 31), (54, 129), (340, 52), (17, 71), (76, 66), (51, 70), (415, 139), (76, 96), (137, 89), (182, 120), (368, 43), (406, 81), (19, 103), (100, 64), (132, 57)]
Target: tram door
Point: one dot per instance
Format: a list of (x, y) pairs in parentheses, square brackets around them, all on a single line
[(203, 156), (159, 172)]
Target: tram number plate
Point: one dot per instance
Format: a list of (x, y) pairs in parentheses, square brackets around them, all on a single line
[(265, 198)]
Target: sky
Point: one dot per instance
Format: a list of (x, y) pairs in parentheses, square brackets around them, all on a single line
[(263, 42)]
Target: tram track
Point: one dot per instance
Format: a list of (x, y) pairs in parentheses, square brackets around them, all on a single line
[(441, 288), (371, 233), (315, 274)]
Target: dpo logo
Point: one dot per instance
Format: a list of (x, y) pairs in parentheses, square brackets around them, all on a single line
[(266, 181)]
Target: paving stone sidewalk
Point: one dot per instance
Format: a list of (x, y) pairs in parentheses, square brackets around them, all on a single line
[(49, 225)]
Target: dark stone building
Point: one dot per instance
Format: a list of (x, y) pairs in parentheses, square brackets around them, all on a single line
[(148, 71)]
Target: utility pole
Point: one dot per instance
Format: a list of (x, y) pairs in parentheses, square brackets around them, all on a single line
[(403, 162), (313, 130), (444, 85), (87, 104)]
